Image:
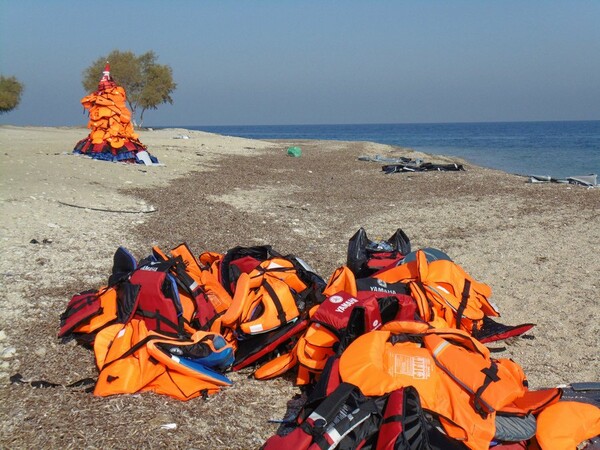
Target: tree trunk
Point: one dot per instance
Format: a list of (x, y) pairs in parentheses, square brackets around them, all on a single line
[(132, 107), (142, 117)]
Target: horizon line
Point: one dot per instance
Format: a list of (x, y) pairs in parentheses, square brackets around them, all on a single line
[(375, 123)]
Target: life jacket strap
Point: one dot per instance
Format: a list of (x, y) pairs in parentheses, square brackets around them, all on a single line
[(463, 303), (133, 349), (491, 376), (276, 302), (160, 319), (18, 379)]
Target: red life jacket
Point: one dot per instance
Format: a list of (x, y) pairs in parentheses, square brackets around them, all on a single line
[(333, 325), (87, 313), (152, 296)]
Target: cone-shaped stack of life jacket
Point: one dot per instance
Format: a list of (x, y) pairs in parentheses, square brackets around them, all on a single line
[(112, 137)]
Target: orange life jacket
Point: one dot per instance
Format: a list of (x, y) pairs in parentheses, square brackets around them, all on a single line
[(266, 298), (229, 266), (566, 424), (446, 295), (130, 360), (453, 373)]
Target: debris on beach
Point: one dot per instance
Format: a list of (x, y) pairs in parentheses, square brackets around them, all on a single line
[(421, 166), (405, 164), (589, 181), (295, 152), (112, 137)]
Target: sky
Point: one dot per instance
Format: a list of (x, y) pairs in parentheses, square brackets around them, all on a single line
[(315, 62)]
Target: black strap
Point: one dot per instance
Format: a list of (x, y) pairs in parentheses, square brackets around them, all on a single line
[(277, 302), (133, 349), (18, 379), (394, 418), (491, 376), (156, 315), (463, 303)]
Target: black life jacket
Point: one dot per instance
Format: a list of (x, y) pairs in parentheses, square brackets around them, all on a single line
[(365, 257), (346, 419)]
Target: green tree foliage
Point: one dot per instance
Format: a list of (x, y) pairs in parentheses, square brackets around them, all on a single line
[(10, 93), (147, 83)]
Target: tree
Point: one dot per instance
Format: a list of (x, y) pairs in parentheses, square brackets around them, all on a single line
[(10, 93), (147, 84)]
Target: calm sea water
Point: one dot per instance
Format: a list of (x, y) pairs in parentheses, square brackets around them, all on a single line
[(558, 149)]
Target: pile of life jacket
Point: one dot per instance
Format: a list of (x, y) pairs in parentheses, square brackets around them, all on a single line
[(190, 320), (112, 137), (389, 353)]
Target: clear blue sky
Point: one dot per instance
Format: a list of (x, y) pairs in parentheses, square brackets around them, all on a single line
[(305, 62)]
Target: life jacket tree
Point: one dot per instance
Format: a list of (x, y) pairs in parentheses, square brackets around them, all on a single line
[(112, 137)]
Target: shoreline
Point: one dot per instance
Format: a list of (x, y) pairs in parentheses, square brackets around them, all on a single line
[(533, 244), (513, 147)]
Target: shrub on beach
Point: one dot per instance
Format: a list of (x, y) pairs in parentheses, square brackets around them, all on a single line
[(10, 93)]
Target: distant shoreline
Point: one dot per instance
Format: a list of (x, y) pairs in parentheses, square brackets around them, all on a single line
[(193, 127), (558, 149)]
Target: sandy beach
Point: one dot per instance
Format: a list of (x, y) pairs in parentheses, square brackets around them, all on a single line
[(63, 216)]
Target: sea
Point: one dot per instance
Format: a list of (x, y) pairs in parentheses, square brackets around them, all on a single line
[(556, 149)]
